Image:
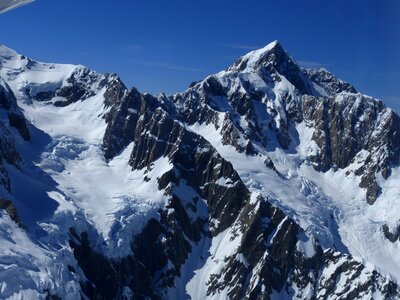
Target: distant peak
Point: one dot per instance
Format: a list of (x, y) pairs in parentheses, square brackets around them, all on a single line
[(259, 53), (266, 48), (259, 57), (270, 63), (272, 45)]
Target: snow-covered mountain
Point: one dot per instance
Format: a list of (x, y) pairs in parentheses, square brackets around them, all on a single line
[(264, 181)]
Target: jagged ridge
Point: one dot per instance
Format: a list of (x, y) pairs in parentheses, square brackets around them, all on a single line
[(212, 223)]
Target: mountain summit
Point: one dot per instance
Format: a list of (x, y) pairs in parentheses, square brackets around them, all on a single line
[(263, 181)]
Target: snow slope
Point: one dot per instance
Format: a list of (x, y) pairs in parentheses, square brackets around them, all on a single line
[(65, 180)]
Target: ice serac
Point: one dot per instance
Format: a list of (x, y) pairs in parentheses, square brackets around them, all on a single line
[(263, 181)]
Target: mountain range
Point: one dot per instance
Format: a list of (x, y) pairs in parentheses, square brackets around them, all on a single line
[(263, 181)]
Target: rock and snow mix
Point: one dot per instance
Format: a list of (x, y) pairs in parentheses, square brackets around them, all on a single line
[(264, 180)]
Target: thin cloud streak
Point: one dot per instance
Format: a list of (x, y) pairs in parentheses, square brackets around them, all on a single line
[(131, 48), (392, 98), (147, 47), (392, 101), (241, 47), (311, 64), (388, 73), (164, 65)]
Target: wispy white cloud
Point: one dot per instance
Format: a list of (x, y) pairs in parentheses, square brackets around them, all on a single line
[(311, 64), (241, 46), (132, 47), (159, 46), (165, 65), (145, 47), (386, 74), (394, 99), (83, 53)]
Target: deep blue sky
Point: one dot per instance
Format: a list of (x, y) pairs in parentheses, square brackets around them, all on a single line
[(163, 45)]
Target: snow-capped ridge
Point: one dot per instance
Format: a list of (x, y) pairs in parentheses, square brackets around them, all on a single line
[(252, 60), (7, 53), (247, 184), (19, 70)]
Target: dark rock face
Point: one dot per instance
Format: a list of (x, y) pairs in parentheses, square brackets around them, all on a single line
[(8, 206), (258, 225), (348, 124), (7, 148), (8, 151), (8, 154), (155, 134), (78, 87), (121, 121), (353, 269), (164, 245), (329, 82), (7, 98), (82, 84), (44, 96), (392, 236), (286, 267), (8, 102), (115, 89), (103, 279), (18, 121)]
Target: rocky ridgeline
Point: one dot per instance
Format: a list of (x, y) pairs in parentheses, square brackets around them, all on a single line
[(265, 95)]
